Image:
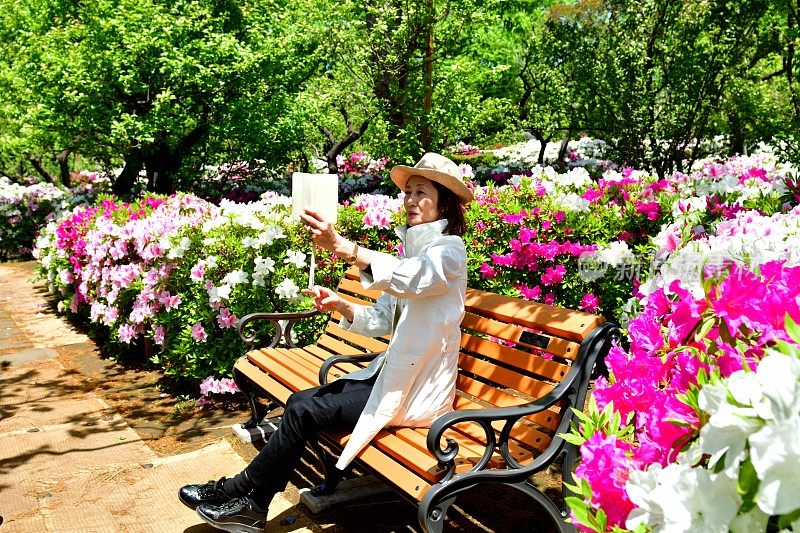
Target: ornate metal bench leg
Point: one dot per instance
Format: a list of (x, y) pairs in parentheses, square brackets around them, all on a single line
[(257, 410), (432, 519)]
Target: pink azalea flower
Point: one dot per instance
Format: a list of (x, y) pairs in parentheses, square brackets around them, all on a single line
[(487, 271), (651, 210), (198, 333), (226, 319), (530, 293), (126, 333), (170, 301), (159, 333), (553, 275), (605, 464), (198, 272)]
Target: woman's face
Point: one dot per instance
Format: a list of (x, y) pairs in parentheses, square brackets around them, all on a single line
[(421, 201)]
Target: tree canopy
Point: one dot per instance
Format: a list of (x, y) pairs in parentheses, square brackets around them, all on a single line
[(160, 88)]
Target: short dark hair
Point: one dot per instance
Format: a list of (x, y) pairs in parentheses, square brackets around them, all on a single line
[(451, 209)]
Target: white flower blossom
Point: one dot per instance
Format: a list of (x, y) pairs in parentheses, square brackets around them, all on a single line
[(678, 498), (178, 250), (271, 234), (287, 289), (217, 294), (295, 258), (236, 277)]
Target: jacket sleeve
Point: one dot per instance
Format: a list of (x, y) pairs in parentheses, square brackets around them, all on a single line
[(425, 275), (373, 321)]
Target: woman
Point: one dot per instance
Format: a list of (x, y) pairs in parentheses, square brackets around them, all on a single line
[(410, 384)]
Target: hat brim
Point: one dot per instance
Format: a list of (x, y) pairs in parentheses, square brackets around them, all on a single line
[(401, 173)]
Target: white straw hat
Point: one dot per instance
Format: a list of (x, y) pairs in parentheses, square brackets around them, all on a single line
[(436, 168)]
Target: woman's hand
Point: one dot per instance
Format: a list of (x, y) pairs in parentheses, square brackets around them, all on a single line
[(326, 301), (322, 232)]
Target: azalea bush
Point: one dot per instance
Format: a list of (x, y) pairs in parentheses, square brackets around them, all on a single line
[(361, 174), (24, 209), (660, 416), (170, 276), (175, 273), (564, 238), (239, 181)]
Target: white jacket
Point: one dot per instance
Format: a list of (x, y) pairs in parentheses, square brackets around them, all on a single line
[(417, 373)]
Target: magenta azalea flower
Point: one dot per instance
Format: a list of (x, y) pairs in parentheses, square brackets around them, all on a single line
[(589, 303), (606, 465)]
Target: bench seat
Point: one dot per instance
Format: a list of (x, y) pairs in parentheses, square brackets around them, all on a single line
[(522, 367)]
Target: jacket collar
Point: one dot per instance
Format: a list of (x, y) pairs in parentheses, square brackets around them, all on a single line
[(417, 237)]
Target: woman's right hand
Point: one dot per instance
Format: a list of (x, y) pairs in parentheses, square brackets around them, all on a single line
[(322, 232)]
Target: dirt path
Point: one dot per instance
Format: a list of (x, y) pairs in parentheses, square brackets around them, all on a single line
[(87, 444)]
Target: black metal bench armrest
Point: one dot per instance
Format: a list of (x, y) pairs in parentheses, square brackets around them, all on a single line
[(571, 390), (283, 325), (485, 418), (336, 359)]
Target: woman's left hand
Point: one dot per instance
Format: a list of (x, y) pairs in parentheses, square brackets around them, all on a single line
[(322, 232)]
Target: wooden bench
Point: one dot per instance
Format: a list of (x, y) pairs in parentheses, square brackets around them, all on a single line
[(523, 367)]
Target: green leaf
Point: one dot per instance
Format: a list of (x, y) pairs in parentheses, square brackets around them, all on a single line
[(792, 329), (747, 485)]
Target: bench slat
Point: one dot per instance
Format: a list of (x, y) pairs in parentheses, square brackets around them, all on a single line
[(342, 368), (272, 387), (565, 323), (512, 357), (491, 395), (369, 344), (295, 377), (527, 385), (355, 288), (556, 346)]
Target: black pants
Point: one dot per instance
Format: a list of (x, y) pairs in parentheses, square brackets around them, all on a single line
[(335, 406)]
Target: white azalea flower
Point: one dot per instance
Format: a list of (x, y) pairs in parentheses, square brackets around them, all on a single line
[(236, 277), (216, 294), (287, 289), (251, 242), (775, 452), (726, 432), (679, 498), (271, 234), (778, 377), (264, 265), (754, 520), (295, 258)]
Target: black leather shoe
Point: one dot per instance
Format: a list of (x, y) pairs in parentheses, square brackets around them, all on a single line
[(211, 493), (237, 515)]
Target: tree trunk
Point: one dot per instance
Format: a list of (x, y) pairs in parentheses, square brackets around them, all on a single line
[(334, 148), (37, 165), (162, 162), (123, 185), (737, 134), (562, 151), (63, 168)]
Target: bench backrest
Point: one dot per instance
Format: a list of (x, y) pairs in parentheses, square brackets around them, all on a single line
[(512, 351)]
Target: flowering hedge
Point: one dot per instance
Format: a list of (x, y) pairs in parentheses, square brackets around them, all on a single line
[(24, 209), (173, 274), (682, 401)]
